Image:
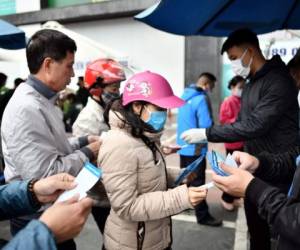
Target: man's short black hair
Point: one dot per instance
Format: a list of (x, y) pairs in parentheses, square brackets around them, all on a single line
[(3, 79), (209, 76), (240, 37), (47, 43), (234, 81), (294, 63)]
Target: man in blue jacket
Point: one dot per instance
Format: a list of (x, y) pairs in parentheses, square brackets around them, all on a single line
[(25, 197), (197, 113)]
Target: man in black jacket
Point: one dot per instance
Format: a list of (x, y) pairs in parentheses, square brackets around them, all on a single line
[(268, 120), (278, 209)]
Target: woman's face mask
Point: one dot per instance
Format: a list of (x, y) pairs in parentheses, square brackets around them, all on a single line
[(238, 67), (237, 90), (110, 92), (157, 119)]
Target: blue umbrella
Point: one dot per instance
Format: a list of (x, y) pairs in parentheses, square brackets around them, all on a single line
[(220, 17), (11, 37)]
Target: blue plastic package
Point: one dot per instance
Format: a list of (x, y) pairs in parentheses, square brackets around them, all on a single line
[(214, 160), (189, 169)]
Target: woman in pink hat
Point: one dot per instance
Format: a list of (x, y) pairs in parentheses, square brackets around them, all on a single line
[(135, 175)]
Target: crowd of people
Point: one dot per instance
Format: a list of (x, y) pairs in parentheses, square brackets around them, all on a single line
[(121, 134)]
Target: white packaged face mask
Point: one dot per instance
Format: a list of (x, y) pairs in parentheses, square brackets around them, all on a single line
[(86, 179), (238, 68)]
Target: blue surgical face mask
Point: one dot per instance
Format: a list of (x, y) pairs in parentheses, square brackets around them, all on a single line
[(157, 119)]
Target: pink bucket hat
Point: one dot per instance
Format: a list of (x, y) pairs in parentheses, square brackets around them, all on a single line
[(150, 87)]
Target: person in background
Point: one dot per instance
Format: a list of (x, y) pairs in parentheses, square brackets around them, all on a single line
[(197, 113), (82, 93), (3, 89), (18, 81), (34, 140), (3, 79), (5, 97), (71, 111), (3, 92), (229, 111), (26, 197)]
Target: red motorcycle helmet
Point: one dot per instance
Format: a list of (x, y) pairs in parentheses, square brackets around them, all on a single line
[(103, 72)]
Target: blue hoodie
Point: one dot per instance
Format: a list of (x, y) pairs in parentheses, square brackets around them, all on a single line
[(195, 113)]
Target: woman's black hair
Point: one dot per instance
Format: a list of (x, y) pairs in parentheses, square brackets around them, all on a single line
[(137, 125), (234, 81), (240, 37)]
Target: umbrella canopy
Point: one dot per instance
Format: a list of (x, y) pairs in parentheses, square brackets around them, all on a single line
[(220, 17), (11, 37)]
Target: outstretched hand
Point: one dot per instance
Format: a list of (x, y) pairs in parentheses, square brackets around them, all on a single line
[(49, 188), (246, 161), (194, 135), (236, 183)]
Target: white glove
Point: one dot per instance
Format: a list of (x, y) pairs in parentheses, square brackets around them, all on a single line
[(194, 135)]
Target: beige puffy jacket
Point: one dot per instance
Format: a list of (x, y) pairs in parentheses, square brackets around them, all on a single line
[(137, 189)]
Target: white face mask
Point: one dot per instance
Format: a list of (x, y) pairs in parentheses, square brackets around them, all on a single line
[(238, 68), (238, 92)]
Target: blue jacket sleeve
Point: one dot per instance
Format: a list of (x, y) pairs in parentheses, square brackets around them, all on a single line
[(34, 236), (203, 113), (14, 200)]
